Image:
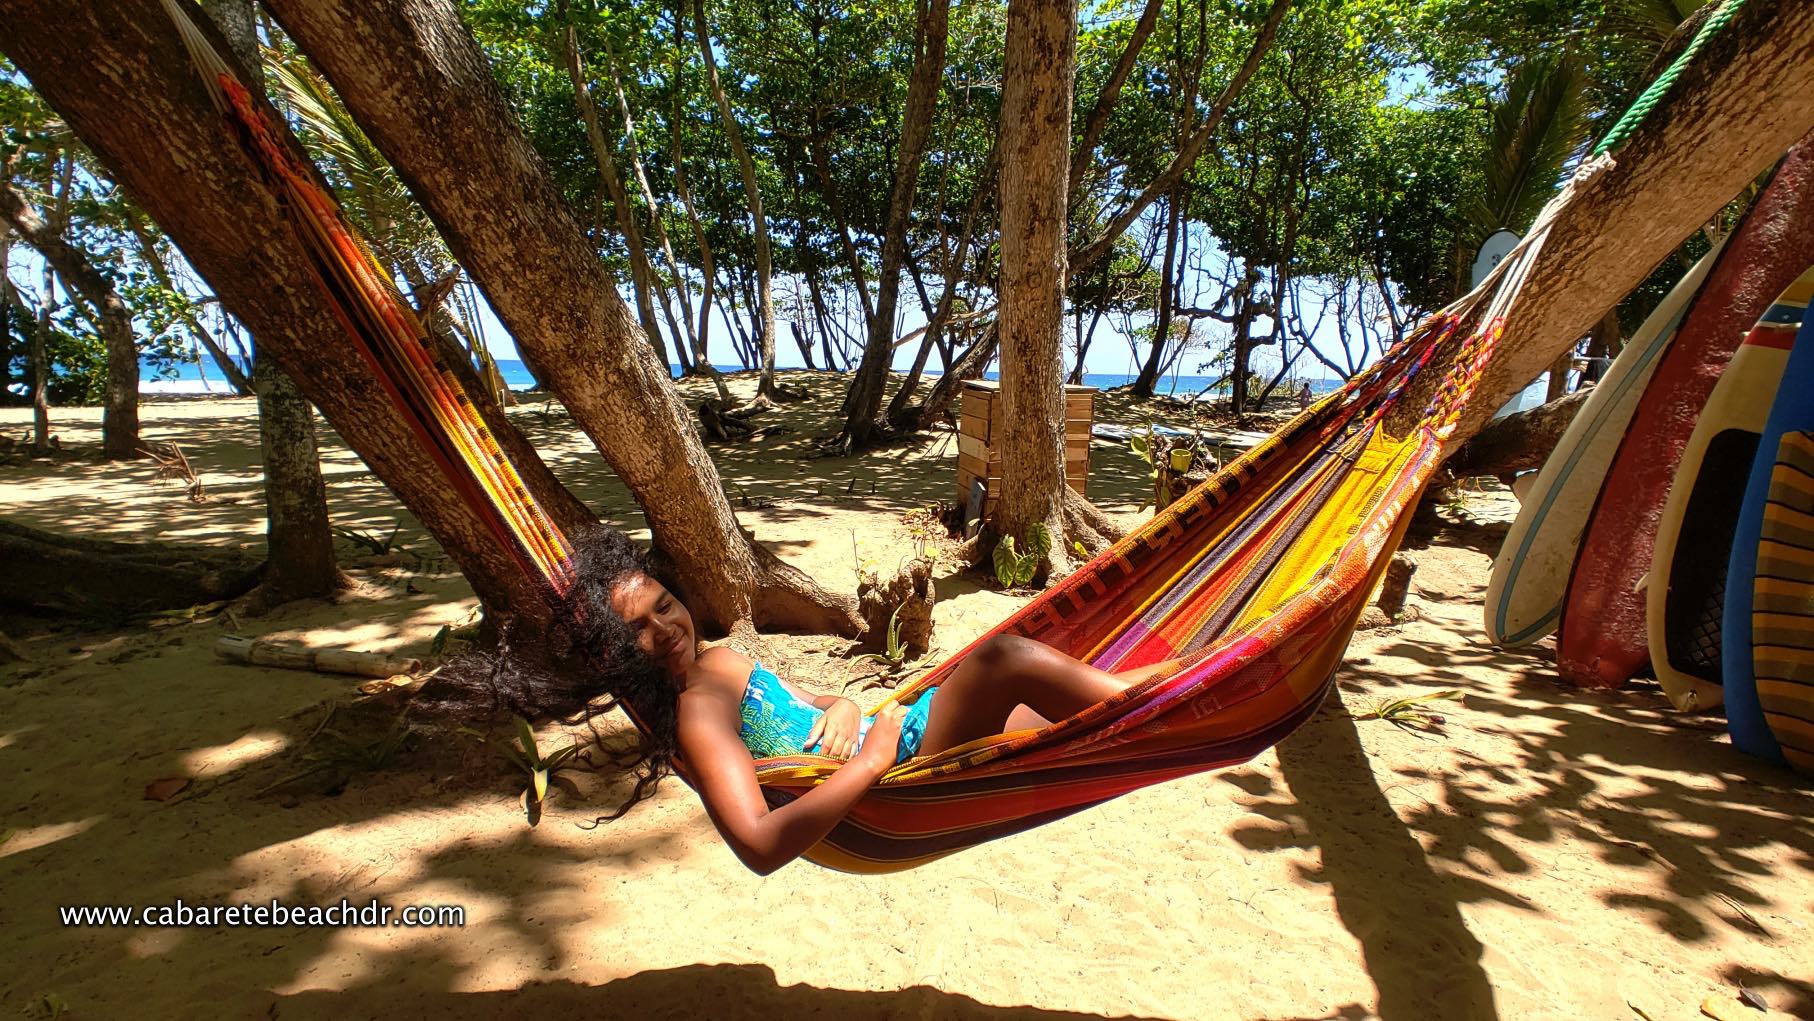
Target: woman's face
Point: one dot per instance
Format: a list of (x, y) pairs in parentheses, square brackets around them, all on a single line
[(664, 628)]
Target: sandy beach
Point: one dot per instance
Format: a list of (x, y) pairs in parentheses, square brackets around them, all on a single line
[(1543, 853)]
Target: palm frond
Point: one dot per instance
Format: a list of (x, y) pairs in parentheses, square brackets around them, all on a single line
[(1537, 127)]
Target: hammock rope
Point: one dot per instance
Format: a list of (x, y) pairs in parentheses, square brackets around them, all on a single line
[(1254, 580)]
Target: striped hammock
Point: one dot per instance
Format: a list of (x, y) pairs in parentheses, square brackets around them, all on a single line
[(1254, 580)]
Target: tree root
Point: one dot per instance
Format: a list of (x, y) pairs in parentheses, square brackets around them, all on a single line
[(786, 599)]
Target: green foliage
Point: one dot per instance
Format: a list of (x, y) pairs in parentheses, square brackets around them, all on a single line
[(894, 656), (1403, 713), (527, 756), (1014, 568)]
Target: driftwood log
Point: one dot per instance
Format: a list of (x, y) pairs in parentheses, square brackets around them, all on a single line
[(290, 656), (912, 592), (1518, 442), (50, 573)]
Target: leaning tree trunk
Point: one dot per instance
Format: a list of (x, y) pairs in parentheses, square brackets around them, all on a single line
[(1733, 112), (1035, 149), (871, 380), (299, 542), (90, 60), (120, 417), (416, 80)]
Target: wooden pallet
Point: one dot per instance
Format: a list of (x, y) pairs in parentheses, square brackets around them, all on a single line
[(978, 439)]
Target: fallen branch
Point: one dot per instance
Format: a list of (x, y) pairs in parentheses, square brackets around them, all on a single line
[(262, 652)]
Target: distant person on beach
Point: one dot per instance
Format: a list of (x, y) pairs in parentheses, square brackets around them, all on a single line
[(1304, 397), (634, 641)]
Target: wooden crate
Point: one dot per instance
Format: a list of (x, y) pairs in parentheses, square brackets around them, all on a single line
[(978, 439)]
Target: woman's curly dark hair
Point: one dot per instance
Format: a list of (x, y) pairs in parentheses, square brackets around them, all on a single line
[(593, 666)]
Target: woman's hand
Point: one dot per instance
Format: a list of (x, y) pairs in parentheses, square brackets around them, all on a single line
[(883, 742), (836, 729)]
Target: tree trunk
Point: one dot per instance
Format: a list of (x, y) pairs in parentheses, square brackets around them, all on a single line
[(1518, 442), (1162, 333), (765, 386), (1038, 57), (969, 365), (298, 539), (702, 359), (828, 190), (1558, 376), (92, 59), (40, 361), (1732, 113), (871, 380), (641, 279), (299, 543), (50, 573), (112, 319), (415, 78), (900, 411)]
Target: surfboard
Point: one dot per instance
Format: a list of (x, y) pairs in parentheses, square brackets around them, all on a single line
[(1530, 574), (1685, 596), (1768, 623), (1604, 640)]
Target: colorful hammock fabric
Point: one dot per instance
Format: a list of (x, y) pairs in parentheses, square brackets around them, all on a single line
[(1255, 580)]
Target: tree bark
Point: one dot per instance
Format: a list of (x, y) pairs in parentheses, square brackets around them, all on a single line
[(867, 388), (765, 386), (1168, 283), (92, 59), (1735, 110), (969, 365), (1519, 442), (1039, 57), (413, 75), (298, 538), (702, 359), (113, 320)]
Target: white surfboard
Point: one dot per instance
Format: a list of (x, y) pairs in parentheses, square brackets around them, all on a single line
[(1530, 575)]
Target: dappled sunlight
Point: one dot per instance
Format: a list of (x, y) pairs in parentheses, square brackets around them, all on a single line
[(31, 838), (236, 754)]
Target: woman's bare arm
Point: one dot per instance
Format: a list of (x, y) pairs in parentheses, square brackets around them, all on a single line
[(725, 774)]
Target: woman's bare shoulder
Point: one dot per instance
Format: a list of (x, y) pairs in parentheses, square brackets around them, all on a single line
[(720, 671)]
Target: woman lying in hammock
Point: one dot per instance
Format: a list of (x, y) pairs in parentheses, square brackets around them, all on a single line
[(720, 711)]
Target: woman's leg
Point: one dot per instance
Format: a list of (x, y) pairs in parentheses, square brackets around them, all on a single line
[(1008, 671)]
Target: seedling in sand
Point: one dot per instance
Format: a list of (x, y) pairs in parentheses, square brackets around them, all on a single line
[(528, 756), (1403, 713)]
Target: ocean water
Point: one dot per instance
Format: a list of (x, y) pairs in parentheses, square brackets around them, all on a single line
[(186, 378)]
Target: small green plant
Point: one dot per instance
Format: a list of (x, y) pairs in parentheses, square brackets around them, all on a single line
[(1013, 567), (528, 756), (895, 656), (1403, 713)]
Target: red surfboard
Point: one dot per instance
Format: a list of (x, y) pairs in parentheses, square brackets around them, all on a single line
[(1603, 641)]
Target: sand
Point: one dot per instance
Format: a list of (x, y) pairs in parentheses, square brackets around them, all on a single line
[(1546, 853)]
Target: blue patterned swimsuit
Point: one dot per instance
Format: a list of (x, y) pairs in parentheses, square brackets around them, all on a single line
[(776, 721)]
